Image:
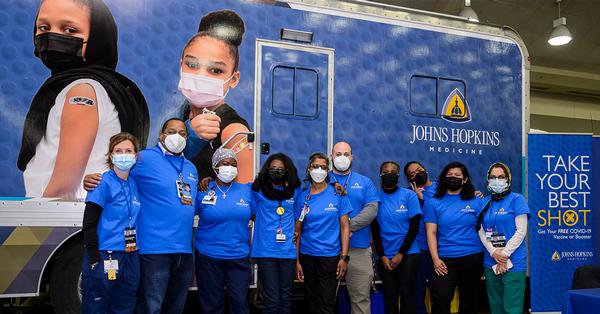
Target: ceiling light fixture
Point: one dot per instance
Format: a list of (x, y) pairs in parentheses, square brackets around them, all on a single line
[(468, 12), (560, 34)]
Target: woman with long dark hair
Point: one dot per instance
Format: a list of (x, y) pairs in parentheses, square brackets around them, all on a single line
[(276, 189), (456, 252)]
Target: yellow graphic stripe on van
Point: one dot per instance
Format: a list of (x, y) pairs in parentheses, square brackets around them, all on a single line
[(17, 250)]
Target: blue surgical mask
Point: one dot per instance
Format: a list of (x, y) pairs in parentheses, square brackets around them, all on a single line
[(497, 186), (123, 162)]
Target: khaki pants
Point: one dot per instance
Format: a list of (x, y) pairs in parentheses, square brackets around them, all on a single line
[(358, 280)]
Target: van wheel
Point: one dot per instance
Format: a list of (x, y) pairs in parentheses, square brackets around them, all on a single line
[(65, 279)]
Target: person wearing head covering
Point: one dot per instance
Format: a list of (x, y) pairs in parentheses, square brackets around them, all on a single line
[(167, 184), (82, 104), (276, 189), (323, 227), (502, 226), (209, 71), (223, 237), (456, 252), (111, 269)]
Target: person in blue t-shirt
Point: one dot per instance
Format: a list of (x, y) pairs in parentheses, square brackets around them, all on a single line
[(456, 252), (394, 234), (223, 237), (111, 267), (502, 227), (276, 189), (364, 199), (420, 183), (323, 231), (167, 184)]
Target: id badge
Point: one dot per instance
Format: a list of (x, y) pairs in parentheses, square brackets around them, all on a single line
[(488, 234), (498, 240), (111, 268), (210, 198), (280, 237), (303, 213), (130, 240), (184, 191)]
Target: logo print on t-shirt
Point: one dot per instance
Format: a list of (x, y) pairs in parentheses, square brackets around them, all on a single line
[(467, 209), (356, 186), (402, 209), (330, 208), (242, 202)]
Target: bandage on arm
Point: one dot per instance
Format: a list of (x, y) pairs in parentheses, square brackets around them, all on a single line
[(516, 240), (365, 217)]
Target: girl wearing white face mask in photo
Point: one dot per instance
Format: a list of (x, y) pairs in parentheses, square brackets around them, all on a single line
[(209, 70), (502, 226), (222, 238), (324, 235)]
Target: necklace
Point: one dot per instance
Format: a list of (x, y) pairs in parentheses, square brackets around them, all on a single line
[(224, 192)]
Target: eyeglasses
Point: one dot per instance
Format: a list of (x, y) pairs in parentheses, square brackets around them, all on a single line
[(315, 166), (501, 177)]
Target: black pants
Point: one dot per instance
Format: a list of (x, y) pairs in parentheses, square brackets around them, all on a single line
[(463, 271), (400, 282), (320, 283)]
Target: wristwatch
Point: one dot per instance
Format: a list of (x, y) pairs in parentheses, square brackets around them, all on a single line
[(346, 258)]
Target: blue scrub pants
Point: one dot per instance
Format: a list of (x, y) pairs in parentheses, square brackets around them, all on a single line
[(276, 277), (164, 283), (101, 295), (218, 278)]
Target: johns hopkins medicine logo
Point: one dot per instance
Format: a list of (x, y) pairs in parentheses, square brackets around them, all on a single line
[(456, 109)]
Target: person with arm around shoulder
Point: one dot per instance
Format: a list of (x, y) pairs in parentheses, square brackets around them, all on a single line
[(111, 267), (456, 252)]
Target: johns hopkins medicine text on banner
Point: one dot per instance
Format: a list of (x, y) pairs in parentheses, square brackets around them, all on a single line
[(560, 229)]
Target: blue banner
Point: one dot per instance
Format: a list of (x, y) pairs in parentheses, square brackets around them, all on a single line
[(561, 226)]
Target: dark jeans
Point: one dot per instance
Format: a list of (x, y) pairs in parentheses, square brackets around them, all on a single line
[(219, 277), (276, 276), (424, 276), (164, 282), (320, 283), (400, 282), (465, 272), (101, 295)]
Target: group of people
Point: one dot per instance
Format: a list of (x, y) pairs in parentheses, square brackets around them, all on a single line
[(140, 246)]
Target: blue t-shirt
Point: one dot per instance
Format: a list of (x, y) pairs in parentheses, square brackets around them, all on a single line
[(321, 227), (120, 209), (361, 191), (500, 218), (223, 228), (165, 223), (394, 212), (267, 223), (428, 193), (456, 220)]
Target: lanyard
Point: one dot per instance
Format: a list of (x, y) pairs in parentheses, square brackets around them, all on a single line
[(347, 179), (279, 202), (180, 170), (127, 199), (495, 213)]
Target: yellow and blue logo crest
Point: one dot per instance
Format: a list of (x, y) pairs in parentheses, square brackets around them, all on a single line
[(456, 109)]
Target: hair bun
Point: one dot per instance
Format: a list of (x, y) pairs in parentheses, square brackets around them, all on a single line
[(225, 25)]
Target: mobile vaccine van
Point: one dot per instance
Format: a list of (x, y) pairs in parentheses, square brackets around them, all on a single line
[(397, 84)]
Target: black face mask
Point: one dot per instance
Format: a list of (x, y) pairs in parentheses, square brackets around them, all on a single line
[(453, 184), (389, 180), (277, 176), (59, 52), (420, 178)]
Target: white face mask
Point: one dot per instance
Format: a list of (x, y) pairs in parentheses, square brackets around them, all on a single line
[(175, 143), (202, 91), (497, 186), (318, 175), (227, 173), (341, 163)]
